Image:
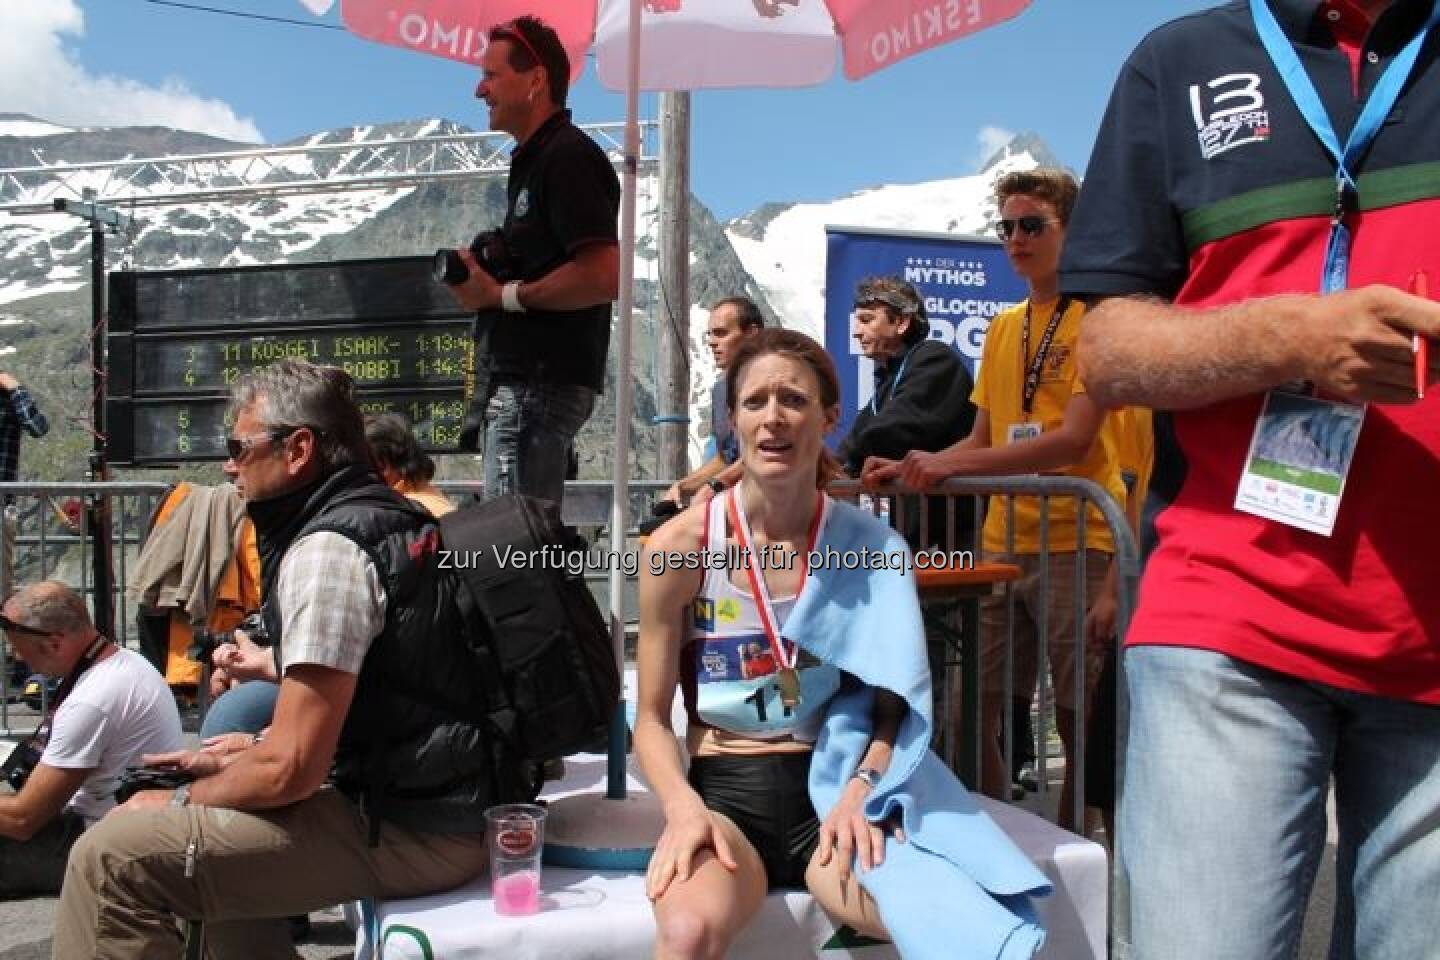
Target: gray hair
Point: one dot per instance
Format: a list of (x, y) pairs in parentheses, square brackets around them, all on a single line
[(290, 394), (51, 607)]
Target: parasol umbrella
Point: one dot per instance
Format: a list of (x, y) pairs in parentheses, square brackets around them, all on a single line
[(679, 45)]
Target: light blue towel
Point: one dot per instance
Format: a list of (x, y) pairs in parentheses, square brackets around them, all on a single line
[(958, 888)]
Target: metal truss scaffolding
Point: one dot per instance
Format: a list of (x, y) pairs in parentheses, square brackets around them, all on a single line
[(241, 175)]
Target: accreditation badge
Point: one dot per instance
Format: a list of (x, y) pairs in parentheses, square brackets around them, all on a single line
[(1299, 459), (1022, 431)]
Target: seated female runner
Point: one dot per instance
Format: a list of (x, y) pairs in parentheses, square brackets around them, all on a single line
[(741, 821)]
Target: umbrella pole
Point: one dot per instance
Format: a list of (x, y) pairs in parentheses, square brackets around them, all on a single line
[(624, 399)]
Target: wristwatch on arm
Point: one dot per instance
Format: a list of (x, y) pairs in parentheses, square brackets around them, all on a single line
[(869, 775), (510, 298)]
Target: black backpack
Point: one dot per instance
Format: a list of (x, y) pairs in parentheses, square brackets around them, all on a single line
[(539, 621)]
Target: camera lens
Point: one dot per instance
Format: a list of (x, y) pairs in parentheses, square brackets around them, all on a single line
[(447, 267)]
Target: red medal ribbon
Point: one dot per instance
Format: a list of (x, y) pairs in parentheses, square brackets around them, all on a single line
[(758, 590)]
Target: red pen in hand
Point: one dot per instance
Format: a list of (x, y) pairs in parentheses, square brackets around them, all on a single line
[(1420, 286)]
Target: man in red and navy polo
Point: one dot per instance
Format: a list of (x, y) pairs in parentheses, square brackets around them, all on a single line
[(1259, 224)]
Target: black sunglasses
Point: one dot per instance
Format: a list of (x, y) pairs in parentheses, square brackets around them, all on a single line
[(239, 447), (1032, 225)]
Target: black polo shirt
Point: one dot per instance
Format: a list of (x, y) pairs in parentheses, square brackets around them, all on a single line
[(562, 195), (1208, 187)]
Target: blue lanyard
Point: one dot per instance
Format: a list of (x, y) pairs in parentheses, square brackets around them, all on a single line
[(1336, 273), (895, 384)]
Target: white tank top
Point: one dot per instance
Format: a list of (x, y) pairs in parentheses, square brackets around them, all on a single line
[(732, 665)]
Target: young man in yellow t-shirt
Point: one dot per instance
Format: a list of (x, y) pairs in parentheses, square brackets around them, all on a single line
[(1033, 417)]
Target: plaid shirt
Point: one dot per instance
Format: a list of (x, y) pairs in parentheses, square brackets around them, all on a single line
[(331, 602), (17, 412)]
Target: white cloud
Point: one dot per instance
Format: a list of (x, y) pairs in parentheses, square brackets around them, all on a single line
[(42, 78), (990, 139)]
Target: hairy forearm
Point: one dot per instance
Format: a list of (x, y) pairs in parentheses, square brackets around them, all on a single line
[(260, 778), (1144, 352)]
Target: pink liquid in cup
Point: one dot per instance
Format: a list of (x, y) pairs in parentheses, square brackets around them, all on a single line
[(517, 894)]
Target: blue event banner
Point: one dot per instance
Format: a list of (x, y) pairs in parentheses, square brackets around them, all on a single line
[(965, 281)]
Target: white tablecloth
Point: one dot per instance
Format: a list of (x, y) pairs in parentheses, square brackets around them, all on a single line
[(599, 915)]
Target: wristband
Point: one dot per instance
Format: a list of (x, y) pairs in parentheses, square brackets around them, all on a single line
[(869, 775), (181, 796), (510, 298)]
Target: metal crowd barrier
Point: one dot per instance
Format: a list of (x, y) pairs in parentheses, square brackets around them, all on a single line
[(53, 538), (53, 527), (910, 512)]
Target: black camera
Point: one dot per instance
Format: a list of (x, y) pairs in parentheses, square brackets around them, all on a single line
[(135, 779), (17, 767), (204, 642), (490, 251)]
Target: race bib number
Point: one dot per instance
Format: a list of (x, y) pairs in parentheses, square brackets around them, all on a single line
[(738, 686)]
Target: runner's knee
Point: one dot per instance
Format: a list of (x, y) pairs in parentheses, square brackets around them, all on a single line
[(684, 933)]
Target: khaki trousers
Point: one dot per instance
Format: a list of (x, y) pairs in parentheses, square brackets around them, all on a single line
[(241, 873)]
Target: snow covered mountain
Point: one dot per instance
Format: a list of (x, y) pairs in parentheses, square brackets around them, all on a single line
[(775, 254), (782, 246)]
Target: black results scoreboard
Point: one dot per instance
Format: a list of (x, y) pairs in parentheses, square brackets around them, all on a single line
[(178, 339)]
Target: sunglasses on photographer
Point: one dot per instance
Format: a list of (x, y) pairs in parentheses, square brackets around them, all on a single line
[(239, 447), (1032, 226)]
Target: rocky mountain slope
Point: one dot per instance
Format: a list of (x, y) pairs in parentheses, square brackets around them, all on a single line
[(775, 253)]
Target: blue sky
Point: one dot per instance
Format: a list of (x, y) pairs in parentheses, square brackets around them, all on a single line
[(108, 62)]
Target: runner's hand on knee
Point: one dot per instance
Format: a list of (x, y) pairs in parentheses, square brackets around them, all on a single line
[(684, 838), (849, 834)]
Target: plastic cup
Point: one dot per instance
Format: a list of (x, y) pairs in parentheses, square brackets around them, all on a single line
[(517, 837)]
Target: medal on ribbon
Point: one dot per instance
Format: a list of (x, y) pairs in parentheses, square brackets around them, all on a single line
[(787, 678)]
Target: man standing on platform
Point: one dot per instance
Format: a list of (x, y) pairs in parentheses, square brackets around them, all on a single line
[(1257, 206), (541, 336)]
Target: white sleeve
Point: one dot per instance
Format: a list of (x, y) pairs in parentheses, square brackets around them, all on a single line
[(78, 737)]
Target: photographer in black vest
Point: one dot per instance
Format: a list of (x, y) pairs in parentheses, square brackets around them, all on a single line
[(365, 784), (543, 325)]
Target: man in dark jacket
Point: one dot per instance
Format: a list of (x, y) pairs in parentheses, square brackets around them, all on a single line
[(922, 391), (362, 786)]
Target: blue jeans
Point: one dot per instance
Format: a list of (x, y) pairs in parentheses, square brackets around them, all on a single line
[(1222, 819), (529, 432), (247, 708)]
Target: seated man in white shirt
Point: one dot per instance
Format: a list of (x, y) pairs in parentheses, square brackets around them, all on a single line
[(111, 707)]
